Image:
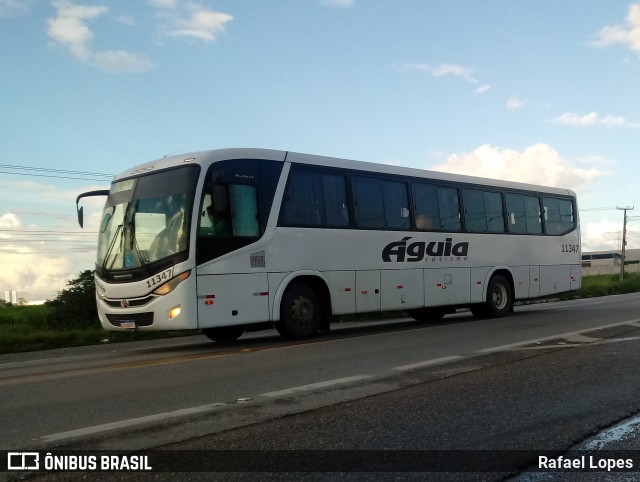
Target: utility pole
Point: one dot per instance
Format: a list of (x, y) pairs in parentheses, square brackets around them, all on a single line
[(624, 238)]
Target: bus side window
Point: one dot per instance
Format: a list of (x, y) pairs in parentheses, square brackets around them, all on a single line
[(524, 214), (436, 208), (449, 209), (215, 219), (483, 211), (244, 208), (426, 207), (316, 199), (381, 204), (558, 215)]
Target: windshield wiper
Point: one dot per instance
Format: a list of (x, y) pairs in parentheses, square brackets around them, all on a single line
[(111, 245), (133, 241)]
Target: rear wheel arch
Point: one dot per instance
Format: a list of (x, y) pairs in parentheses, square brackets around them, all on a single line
[(499, 295)]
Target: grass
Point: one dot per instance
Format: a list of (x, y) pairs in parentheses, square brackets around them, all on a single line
[(29, 328), (603, 285)]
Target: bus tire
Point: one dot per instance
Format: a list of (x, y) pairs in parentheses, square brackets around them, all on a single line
[(224, 334), (427, 314), (499, 301), (300, 312)]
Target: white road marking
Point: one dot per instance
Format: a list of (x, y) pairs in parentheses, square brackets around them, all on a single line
[(572, 337), (635, 322), (577, 338), (158, 417), (428, 363), (314, 386)]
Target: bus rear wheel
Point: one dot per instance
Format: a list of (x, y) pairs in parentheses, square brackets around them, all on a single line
[(224, 334), (499, 301), (300, 312)]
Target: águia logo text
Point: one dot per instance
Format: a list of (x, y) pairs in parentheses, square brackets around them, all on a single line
[(400, 251)]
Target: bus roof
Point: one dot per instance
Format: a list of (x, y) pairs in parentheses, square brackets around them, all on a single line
[(205, 158)]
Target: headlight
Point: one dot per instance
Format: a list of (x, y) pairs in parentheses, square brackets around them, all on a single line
[(171, 285)]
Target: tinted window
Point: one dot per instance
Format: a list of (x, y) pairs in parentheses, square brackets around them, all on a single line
[(558, 215), (483, 211), (381, 204), (316, 199), (236, 202), (436, 208), (524, 214)]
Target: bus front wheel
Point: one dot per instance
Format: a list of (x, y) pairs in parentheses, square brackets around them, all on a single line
[(224, 334), (300, 312)]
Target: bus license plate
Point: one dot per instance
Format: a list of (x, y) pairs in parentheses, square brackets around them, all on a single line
[(127, 324)]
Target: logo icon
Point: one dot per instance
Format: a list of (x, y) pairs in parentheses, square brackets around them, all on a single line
[(23, 461), (124, 304)]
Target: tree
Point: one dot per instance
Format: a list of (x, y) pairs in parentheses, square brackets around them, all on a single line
[(77, 303)]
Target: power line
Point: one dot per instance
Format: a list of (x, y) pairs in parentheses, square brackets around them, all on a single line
[(54, 173), (11, 233), (49, 169), (56, 177)]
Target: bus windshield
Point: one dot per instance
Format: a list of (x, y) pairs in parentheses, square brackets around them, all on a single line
[(146, 219)]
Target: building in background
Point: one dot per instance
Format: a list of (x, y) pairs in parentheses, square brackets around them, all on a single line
[(608, 262), (11, 297)]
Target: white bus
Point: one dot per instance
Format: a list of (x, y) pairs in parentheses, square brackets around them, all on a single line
[(234, 240)]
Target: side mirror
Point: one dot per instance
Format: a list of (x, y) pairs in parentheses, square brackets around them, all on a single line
[(80, 216), (103, 192)]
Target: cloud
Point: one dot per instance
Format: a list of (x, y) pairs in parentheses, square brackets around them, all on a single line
[(593, 119), (603, 235), (35, 263), (536, 164), (445, 70), (41, 244), (164, 3), (12, 7), (191, 20), (34, 275), (338, 3), (614, 121), (628, 35), (70, 29), (576, 120), (515, 103)]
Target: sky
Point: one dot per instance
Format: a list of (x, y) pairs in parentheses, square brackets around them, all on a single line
[(544, 92)]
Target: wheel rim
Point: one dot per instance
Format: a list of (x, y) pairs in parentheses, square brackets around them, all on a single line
[(500, 297), (302, 311)]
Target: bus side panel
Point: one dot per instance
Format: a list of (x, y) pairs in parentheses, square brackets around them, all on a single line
[(576, 276), (534, 281), (232, 299), (478, 284), (342, 290), (555, 279), (367, 291), (447, 286), (402, 289), (521, 277)]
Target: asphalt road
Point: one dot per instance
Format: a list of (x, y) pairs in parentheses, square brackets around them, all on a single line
[(541, 382)]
